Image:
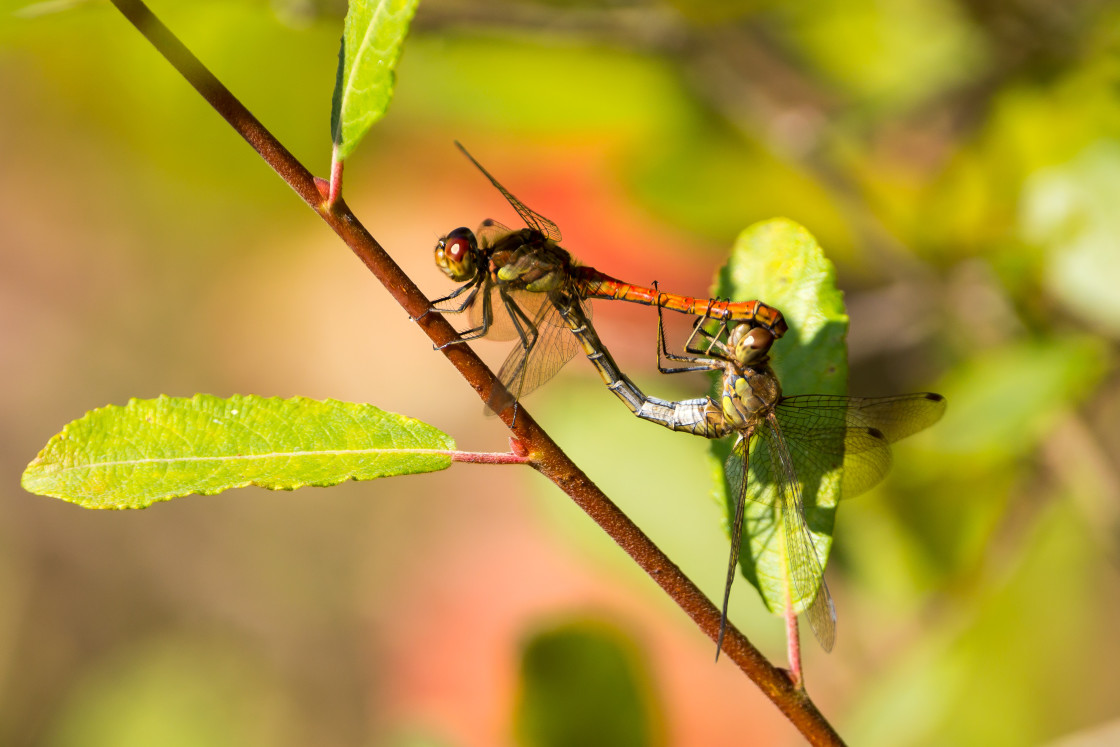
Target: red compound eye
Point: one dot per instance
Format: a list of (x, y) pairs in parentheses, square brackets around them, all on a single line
[(457, 248)]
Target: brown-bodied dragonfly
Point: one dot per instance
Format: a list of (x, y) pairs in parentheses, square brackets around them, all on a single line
[(513, 279), (782, 443)]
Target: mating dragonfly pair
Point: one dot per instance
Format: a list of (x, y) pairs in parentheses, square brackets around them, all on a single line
[(520, 284)]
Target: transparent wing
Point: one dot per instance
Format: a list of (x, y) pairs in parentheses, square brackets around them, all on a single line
[(532, 218), (735, 468), (501, 323), (550, 345), (824, 432), (895, 417), (777, 483), (489, 233)]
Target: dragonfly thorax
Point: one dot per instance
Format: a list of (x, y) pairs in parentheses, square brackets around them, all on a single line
[(457, 255), (749, 396), (540, 267)]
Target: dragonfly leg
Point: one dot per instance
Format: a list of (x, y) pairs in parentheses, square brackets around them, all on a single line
[(713, 339), (528, 334), (699, 364), (472, 286), (473, 333), (526, 330), (722, 318), (435, 305), (662, 348)]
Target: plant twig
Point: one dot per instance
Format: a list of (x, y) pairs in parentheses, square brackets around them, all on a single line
[(544, 455)]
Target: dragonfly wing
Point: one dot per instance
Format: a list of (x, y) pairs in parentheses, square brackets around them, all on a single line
[(895, 417), (489, 232), (532, 218), (535, 219), (806, 590), (826, 432), (501, 322), (548, 347), (735, 469)]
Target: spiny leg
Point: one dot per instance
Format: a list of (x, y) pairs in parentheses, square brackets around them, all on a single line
[(527, 334), (699, 364), (713, 339), (473, 333)]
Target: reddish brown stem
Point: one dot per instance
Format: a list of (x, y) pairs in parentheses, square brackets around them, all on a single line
[(543, 454), (793, 645)]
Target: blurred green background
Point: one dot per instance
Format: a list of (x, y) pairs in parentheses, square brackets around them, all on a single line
[(959, 161)]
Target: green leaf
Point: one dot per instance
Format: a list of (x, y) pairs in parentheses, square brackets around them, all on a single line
[(779, 262), (584, 683), (155, 450), (371, 45)]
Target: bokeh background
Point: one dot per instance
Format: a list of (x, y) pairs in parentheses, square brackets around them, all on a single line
[(959, 160)]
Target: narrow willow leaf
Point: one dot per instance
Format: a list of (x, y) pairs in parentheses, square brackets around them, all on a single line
[(372, 36), (779, 262), (155, 450)]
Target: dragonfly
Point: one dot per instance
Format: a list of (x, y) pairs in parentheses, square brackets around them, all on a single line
[(781, 443), (512, 281)]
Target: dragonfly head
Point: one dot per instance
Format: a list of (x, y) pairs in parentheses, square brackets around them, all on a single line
[(749, 345), (457, 255)]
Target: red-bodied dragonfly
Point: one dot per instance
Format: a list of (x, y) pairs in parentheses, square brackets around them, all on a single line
[(796, 441), (525, 272)]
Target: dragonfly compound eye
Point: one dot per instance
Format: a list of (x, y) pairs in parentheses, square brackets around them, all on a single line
[(751, 344), (455, 254)]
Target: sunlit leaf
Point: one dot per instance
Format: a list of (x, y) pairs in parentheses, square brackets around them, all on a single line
[(779, 262), (371, 45), (154, 450)]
